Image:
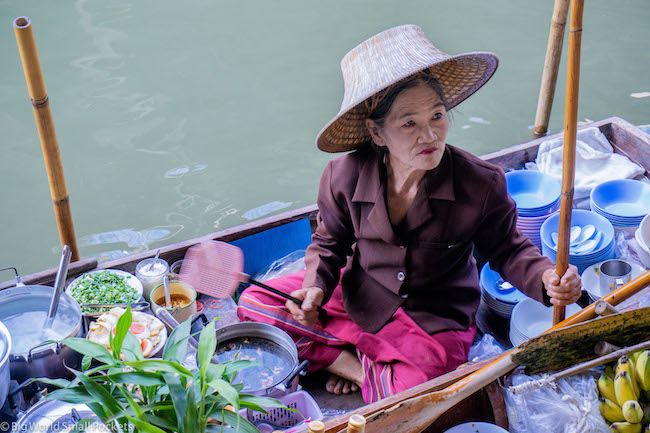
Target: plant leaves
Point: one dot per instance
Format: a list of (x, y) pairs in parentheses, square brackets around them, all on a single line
[(248, 400), (207, 346), (145, 426), (161, 365), (122, 327), (61, 383), (90, 348), (70, 395), (137, 410), (176, 346), (215, 371), (101, 394), (142, 378), (236, 421), (131, 348), (236, 366), (226, 391), (86, 361), (179, 398), (192, 420)]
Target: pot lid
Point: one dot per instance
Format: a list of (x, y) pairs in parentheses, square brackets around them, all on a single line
[(54, 416), (5, 343), (23, 310)]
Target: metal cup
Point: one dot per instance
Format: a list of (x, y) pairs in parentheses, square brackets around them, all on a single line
[(613, 274)]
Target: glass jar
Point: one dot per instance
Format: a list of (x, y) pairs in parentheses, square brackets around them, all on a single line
[(151, 276)]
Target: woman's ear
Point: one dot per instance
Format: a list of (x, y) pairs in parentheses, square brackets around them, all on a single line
[(375, 132)]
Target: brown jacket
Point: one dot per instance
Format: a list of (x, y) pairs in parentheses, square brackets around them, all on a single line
[(426, 264)]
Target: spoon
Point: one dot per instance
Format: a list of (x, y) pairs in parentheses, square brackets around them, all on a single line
[(587, 232), (155, 259), (168, 301), (573, 235), (588, 246), (59, 282)]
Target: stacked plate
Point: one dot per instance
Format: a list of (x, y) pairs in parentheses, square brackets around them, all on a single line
[(537, 197), (592, 238), (591, 280), (499, 295), (530, 318), (624, 202)]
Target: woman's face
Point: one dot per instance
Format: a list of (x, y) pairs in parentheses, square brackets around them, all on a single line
[(415, 130)]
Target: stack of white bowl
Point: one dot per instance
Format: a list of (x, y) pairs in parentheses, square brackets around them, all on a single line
[(642, 236), (624, 202), (537, 196), (499, 295), (602, 231), (530, 318)]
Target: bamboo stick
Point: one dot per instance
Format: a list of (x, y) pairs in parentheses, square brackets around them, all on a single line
[(46, 132), (569, 154), (551, 67)]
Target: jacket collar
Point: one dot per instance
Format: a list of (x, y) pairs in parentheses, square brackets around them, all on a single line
[(437, 184)]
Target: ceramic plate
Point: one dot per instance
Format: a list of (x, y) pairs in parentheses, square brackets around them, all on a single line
[(591, 281)]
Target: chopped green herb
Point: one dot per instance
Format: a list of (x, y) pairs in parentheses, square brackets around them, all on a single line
[(102, 288)]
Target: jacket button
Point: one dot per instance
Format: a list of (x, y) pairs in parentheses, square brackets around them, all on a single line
[(404, 295), (401, 276)]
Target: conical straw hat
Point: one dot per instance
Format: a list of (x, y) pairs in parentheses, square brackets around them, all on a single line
[(388, 58)]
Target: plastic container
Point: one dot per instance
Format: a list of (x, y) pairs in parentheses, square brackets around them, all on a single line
[(300, 401), (150, 278)]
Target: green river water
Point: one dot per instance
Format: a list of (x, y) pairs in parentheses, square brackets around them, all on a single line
[(176, 119)]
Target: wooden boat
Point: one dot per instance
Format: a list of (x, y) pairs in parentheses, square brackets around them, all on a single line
[(290, 231)]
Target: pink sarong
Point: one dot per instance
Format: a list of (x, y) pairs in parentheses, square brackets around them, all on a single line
[(399, 356)]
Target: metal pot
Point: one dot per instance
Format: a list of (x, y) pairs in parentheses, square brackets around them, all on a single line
[(5, 349), (54, 416), (19, 307), (268, 345)]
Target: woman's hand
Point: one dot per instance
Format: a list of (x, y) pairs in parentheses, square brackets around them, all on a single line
[(565, 290), (312, 298)]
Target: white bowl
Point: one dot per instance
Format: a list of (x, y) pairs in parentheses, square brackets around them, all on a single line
[(476, 427), (644, 227), (531, 318), (131, 280), (642, 251)]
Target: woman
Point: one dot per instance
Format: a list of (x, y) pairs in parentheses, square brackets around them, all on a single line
[(402, 214)]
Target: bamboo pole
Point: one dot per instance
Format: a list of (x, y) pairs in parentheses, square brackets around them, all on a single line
[(569, 153), (46, 132), (551, 67)]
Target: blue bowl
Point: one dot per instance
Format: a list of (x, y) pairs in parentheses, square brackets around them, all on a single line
[(622, 198), (489, 280), (533, 190)]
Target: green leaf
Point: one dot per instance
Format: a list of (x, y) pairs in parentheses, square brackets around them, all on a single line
[(192, 420), (139, 413), (162, 422), (90, 348), (142, 378), (81, 426), (61, 383), (236, 366), (215, 371), (179, 398), (235, 420), (98, 409), (227, 391), (160, 365), (248, 400), (122, 327), (86, 361), (70, 395), (176, 346), (131, 348), (145, 426), (207, 346), (102, 394)]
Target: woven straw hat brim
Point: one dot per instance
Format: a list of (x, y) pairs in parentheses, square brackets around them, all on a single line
[(460, 76)]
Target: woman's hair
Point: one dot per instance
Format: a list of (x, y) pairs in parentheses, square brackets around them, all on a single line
[(384, 100)]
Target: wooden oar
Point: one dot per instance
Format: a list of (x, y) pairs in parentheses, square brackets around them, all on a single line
[(337, 424), (569, 154), (551, 67), (550, 351)]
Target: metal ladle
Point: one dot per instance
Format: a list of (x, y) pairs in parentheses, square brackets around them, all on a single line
[(59, 282), (155, 259), (168, 300)]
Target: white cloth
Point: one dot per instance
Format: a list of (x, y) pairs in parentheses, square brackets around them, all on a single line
[(596, 161)]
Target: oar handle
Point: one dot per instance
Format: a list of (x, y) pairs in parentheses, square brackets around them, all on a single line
[(322, 313)]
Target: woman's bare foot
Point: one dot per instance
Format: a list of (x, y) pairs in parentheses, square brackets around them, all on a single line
[(337, 385), (347, 374)]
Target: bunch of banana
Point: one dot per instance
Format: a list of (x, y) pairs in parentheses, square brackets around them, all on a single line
[(625, 393)]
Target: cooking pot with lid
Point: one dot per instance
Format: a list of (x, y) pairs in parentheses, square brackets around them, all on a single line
[(268, 345), (23, 310), (5, 349), (54, 416)]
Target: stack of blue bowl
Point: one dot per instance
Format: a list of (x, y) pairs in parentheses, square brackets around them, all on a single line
[(499, 295), (537, 196), (599, 238), (624, 202)]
